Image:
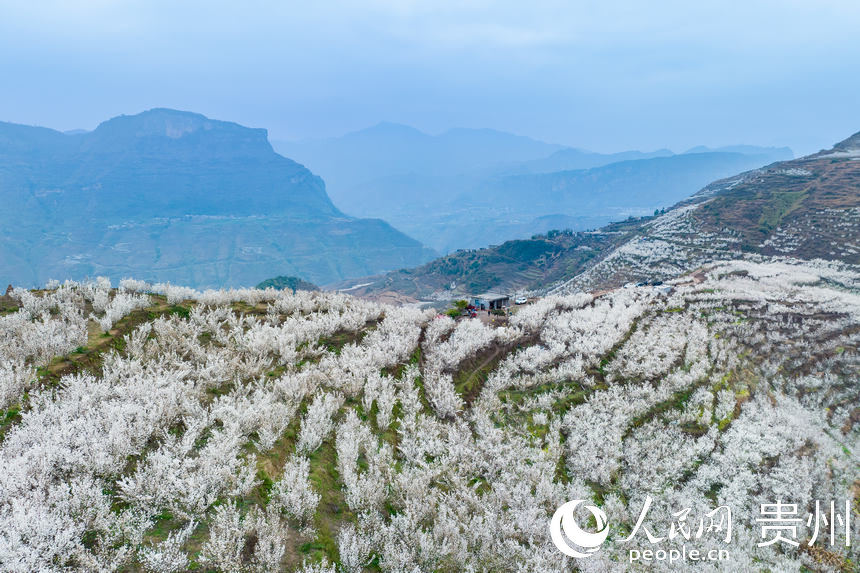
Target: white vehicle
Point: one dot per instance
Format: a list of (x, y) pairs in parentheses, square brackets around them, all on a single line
[(521, 300)]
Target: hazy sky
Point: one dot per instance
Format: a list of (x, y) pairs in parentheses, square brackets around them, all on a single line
[(604, 75)]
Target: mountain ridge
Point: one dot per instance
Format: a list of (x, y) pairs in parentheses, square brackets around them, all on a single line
[(804, 208), (176, 196), (454, 180)]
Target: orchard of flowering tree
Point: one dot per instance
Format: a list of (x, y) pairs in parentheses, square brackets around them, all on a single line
[(150, 427)]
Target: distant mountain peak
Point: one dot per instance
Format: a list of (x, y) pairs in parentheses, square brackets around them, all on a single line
[(176, 196), (166, 131), (171, 123), (390, 128), (781, 153)]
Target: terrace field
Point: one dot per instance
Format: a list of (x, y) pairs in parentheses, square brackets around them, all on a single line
[(157, 428)]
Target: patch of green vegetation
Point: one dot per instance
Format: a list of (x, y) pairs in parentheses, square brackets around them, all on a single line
[(278, 371), (695, 429), (215, 391), (89, 538), (264, 490), (600, 372), (675, 402), (271, 462), (472, 375), (287, 282), (338, 340), (389, 434), (714, 491), (179, 310), (562, 475), (422, 394), (570, 400), (316, 549), (538, 431), (7, 305), (600, 491), (332, 508), (119, 344), (8, 418), (163, 524), (781, 204)]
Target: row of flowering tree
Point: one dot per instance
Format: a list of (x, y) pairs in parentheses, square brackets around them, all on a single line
[(252, 430)]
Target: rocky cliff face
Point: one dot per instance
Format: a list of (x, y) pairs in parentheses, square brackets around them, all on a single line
[(176, 196)]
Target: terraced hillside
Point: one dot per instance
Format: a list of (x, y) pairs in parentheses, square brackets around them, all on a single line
[(157, 428), (806, 208)]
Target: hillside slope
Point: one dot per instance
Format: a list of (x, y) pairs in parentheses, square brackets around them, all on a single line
[(805, 208), (518, 265), (316, 432), (176, 196)]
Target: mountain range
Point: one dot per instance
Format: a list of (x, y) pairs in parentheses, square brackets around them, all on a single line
[(469, 188), (806, 208), (176, 196)]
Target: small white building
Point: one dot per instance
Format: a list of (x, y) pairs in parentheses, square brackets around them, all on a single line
[(491, 300)]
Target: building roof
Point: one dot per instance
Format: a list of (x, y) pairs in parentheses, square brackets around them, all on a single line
[(491, 296)]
